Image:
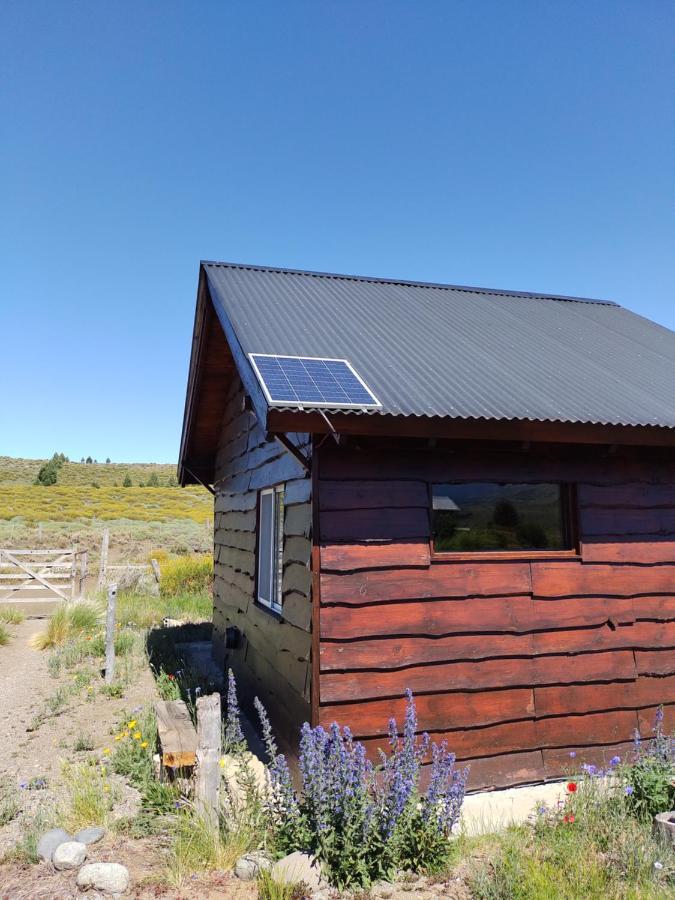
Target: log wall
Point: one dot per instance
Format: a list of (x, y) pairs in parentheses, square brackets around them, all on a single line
[(273, 659), (516, 663)]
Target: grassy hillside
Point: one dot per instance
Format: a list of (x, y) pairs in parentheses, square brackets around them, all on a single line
[(24, 471), (89, 497)]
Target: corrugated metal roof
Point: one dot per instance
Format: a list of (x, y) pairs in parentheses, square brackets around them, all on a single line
[(460, 352)]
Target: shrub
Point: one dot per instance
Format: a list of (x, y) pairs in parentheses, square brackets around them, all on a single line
[(127, 481), (189, 575), (269, 889), (69, 620), (89, 796), (649, 782), (9, 800), (4, 635), (364, 823), (10, 615), (160, 555)]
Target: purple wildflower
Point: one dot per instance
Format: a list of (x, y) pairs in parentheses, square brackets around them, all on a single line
[(573, 754), (590, 769), (628, 790), (614, 761), (233, 737)]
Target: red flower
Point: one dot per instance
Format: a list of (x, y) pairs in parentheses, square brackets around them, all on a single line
[(571, 820), (571, 787), (172, 677), (566, 819)]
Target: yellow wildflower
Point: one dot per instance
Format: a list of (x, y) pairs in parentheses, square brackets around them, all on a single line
[(106, 787), (221, 762), (106, 751), (118, 737), (144, 744), (137, 736), (104, 771), (131, 724)]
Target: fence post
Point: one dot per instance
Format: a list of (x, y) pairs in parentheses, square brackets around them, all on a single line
[(155, 570), (110, 634), (208, 757), (73, 574), (84, 571), (103, 564)]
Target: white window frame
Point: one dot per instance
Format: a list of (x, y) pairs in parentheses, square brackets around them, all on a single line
[(269, 594)]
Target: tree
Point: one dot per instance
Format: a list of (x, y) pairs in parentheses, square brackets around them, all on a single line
[(127, 480), (49, 472), (505, 515), (107, 460), (89, 460)]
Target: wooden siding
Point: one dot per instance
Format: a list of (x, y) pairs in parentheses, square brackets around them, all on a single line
[(514, 662), (273, 659)]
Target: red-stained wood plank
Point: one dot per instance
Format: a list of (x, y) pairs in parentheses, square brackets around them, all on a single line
[(465, 743), (575, 464), (400, 652), (435, 712), (655, 662), (355, 557), (640, 551), (574, 579), (592, 728), (482, 579), (559, 762), (627, 495), (474, 616), (647, 719), (600, 521), (373, 524), (660, 609), (505, 770), (581, 698), (611, 666), (372, 494)]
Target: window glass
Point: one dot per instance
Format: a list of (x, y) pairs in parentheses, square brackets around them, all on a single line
[(487, 516), (270, 546)]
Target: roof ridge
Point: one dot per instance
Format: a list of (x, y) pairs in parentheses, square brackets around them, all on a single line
[(280, 270)]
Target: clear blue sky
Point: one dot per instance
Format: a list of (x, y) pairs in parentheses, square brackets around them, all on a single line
[(525, 145)]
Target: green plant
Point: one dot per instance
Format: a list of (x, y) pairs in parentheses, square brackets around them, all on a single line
[(10, 615), (4, 635), (83, 742), (9, 800), (168, 686), (198, 845), (127, 481), (89, 796), (269, 889), (649, 782), (31, 831), (188, 575), (68, 621), (113, 691)]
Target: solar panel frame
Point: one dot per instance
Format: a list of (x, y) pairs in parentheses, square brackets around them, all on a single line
[(311, 383)]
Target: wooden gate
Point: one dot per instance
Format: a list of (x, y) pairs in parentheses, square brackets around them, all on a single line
[(30, 575)]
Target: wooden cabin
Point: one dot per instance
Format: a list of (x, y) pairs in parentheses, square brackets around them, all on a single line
[(493, 526)]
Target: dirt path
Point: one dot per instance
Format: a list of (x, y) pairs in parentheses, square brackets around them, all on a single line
[(24, 686)]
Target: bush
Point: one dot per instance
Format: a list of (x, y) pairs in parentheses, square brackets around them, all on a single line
[(4, 635), (89, 796), (649, 782), (187, 575), (69, 620), (363, 823), (10, 615)]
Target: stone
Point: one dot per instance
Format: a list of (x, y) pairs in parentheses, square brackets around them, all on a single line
[(90, 835), (69, 855), (299, 867), (111, 878), (49, 841), (250, 865), (240, 771), (664, 826)]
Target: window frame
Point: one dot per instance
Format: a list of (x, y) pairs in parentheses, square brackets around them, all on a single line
[(570, 515), (275, 605)]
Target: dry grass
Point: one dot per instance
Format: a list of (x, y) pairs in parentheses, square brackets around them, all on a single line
[(10, 615), (24, 471), (69, 620)]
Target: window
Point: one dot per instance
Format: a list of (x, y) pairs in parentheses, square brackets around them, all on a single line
[(490, 517), (270, 546)]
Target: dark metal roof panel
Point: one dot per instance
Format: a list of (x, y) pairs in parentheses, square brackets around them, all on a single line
[(443, 350)]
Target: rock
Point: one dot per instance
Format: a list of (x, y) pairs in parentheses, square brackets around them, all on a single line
[(49, 841), (664, 826), (69, 855), (109, 877), (249, 866), (90, 835), (299, 867), (240, 771)]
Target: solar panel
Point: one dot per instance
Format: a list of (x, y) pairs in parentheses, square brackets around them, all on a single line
[(311, 382)]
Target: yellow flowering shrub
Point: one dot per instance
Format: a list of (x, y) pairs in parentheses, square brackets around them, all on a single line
[(187, 575)]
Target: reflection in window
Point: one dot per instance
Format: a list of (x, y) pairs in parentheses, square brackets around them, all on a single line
[(487, 516)]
